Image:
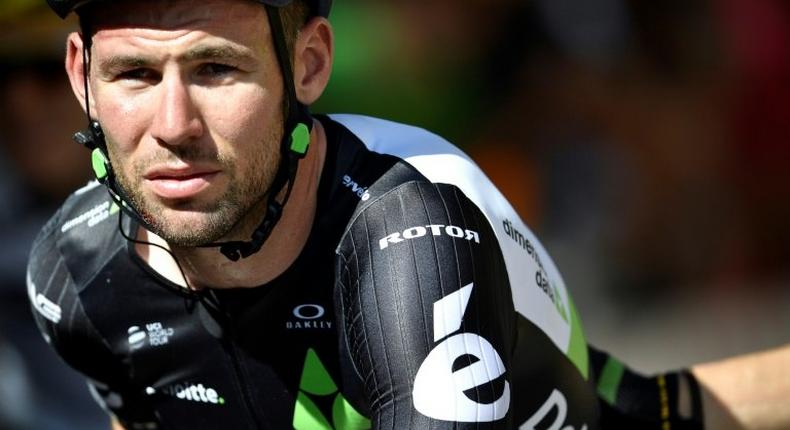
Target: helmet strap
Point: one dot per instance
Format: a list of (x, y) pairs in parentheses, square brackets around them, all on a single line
[(295, 141)]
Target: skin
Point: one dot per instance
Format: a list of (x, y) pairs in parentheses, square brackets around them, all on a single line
[(747, 392), (190, 99)]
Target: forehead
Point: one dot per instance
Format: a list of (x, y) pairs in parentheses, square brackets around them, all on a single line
[(174, 14)]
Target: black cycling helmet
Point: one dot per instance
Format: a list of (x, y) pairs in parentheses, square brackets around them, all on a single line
[(317, 7)]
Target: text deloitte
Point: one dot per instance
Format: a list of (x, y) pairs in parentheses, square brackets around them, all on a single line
[(194, 393)]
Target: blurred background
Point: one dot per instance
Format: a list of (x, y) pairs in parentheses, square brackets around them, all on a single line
[(646, 143)]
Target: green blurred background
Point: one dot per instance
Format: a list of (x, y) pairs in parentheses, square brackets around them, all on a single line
[(646, 143)]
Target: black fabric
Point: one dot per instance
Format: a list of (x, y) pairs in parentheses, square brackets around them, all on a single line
[(649, 402), (350, 325)]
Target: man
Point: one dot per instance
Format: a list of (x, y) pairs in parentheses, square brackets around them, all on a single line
[(383, 283)]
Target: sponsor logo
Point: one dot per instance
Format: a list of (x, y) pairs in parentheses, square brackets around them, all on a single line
[(136, 337), (44, 306), (309, 316), (361, 192), (190, 392), (555, 401), (87, 187), (92, 217), (541, 278), (320, 405), (439, 389), (155, 332), (522, 241), (435, 229)]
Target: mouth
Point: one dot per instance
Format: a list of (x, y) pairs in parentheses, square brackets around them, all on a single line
[(176, 184)]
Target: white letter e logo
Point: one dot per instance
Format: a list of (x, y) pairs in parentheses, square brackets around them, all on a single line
[(438, 391)]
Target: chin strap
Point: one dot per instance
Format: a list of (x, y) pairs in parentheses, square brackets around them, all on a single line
[(294, 147), (93, 139), (285, 177)]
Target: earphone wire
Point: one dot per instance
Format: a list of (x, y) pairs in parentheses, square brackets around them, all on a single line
[(207, 299)]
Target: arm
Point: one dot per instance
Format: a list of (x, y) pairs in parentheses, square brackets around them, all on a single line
[(426, 311), (629, 399), (747, 392)]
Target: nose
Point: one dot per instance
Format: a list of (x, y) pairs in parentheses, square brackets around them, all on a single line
[(177, 119)]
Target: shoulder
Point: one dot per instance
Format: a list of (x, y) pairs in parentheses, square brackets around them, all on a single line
[(432, 162), (70, 249), (415, 154), (389, 137), (432, 157), (433, 191), (539, 292)]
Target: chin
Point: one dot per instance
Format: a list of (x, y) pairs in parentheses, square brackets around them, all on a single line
[(191, 228)]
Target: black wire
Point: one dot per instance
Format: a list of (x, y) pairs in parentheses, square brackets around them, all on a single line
[(204, 296)]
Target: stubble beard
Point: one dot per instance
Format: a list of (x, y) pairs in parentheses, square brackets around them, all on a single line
[(232, 216)]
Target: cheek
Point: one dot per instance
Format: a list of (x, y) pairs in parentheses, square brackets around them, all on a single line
[(123, 120), (247, 120), (247, 113)]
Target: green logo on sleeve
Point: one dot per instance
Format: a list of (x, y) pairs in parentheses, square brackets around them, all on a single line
[(315, 384)]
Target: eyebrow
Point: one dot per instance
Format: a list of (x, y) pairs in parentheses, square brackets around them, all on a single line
[(217, 52), (121, 62), (199, 53)]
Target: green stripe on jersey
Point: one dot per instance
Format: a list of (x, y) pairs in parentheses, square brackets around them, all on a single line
[(609, 382), (577, 350)]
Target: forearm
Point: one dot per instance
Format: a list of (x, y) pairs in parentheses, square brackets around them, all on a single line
[(747, 392)]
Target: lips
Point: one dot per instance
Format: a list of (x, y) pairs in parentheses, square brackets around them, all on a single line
[(184, 183)]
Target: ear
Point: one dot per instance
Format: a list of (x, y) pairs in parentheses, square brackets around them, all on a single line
[(75, 68), (313, 54)]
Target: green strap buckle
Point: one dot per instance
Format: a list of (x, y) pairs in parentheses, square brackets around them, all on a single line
[(300, 139), (99, 163)]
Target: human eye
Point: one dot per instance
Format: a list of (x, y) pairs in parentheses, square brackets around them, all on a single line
[(141, 75), (216, 70)]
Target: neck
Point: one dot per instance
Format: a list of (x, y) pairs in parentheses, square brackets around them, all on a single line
[(208, 268)]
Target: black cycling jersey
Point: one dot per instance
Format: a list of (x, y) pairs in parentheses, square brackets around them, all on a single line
[(420, 300)]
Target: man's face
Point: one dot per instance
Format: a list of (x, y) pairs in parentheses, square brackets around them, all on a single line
[(189, 95)]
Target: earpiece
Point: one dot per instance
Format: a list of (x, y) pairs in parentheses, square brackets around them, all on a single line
[(93, 139), (98, 133), (85, 138)]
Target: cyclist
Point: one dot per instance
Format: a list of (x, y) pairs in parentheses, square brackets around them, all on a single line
[(254, 266)]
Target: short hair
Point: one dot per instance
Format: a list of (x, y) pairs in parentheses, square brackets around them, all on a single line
[(293, 16)]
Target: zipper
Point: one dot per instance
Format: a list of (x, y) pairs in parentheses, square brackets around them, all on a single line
[(241, 377), (239, 374)]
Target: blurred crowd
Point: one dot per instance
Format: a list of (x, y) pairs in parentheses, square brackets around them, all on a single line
[(39, 167), (647, 143)]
